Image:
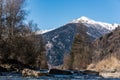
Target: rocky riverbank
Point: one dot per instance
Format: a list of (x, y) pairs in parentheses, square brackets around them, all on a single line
[(26, 70)]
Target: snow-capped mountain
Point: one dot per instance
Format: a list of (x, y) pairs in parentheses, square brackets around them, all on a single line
[(61, 39), (89, 22), (101, 27)]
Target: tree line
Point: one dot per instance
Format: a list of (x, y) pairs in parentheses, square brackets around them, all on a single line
[(18, 39)]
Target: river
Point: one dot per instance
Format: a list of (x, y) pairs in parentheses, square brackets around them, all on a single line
[(17, 76)]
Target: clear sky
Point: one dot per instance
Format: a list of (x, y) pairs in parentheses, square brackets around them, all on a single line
[(50, 14)]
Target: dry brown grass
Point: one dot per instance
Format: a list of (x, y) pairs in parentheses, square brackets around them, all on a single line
[(108, 64)]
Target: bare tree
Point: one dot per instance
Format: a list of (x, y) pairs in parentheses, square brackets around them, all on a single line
[(68, 61), (17, 39)]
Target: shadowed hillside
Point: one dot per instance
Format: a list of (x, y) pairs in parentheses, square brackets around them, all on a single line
[(106, 53)]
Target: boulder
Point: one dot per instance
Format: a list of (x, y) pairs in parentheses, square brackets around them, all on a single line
[(3, 69), (57, 71), (29, 72), (89, 72), (110, 75)]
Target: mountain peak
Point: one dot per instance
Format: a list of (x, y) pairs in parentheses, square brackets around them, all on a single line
[(89, 23), (82, 19)]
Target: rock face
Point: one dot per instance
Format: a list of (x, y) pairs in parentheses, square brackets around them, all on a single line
[(59, 41), (106, 55)]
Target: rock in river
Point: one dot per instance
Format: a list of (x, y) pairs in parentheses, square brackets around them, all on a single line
[(57, 71), (32, 73)]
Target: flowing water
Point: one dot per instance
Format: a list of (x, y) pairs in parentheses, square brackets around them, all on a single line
[(17, 76)]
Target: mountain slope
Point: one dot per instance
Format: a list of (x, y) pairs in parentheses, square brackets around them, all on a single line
[(59, 41), (106, 55), (80, 54)]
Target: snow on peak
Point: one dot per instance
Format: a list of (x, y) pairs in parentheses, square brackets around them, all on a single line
[(89, 22), (82, 20)]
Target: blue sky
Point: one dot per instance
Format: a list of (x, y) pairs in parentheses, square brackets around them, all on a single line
[(50, 14)]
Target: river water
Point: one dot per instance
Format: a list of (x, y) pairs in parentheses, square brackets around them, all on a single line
[(63, 77), (17, 76)]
